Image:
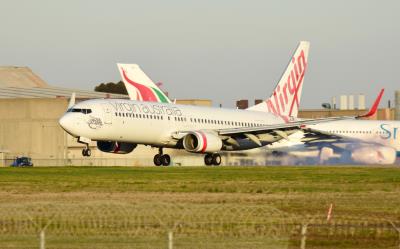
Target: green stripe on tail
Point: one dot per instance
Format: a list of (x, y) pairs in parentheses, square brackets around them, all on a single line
[(161, 96)]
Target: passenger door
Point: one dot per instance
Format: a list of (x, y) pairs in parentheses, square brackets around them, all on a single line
[(107, 114)]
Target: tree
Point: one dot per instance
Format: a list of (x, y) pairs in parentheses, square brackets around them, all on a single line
[(111, 87)]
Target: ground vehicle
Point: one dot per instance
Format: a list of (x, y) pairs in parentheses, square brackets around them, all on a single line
[(22, 162)]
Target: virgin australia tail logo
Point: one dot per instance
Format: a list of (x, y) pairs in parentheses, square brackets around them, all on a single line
[(279, 103)]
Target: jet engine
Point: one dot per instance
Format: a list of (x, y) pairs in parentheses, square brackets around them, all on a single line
[(202, 142), (115, 147)]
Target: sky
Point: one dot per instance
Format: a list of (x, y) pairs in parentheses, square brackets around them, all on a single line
[(222, 50)]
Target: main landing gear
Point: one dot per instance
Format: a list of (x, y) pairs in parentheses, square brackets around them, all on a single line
[(162, 159), (212, 159)]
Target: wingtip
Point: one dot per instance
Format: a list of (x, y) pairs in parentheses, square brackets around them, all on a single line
[(374, 107)]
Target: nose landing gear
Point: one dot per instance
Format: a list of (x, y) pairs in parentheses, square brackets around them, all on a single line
[(161, 159), (212, 159), (86, 151)]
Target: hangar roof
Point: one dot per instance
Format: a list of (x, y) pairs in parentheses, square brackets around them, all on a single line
[(54, 92), (20, 77)]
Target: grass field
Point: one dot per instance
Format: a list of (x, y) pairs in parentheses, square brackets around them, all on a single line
[(365, 198)]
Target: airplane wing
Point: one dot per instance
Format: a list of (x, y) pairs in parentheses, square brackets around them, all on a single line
[(271, 133), (267, 134), (262, 135)]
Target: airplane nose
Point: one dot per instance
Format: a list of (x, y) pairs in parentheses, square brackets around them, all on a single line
[(65, 122)]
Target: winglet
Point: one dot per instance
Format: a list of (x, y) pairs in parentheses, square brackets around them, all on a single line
[(374, 107), (71, 101)]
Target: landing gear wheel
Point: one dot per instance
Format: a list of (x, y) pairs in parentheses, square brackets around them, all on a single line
[(86, 152), (166, 160), (208, 159), (157, 160), (216, 159)]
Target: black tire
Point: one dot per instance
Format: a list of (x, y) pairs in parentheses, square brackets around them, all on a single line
[(157, 160), (216, 159), (166, 160), (84, 152), (208, 160), (88, 152)]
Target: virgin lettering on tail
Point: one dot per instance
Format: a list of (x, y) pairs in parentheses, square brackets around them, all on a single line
[(139, 86), (285, 100)]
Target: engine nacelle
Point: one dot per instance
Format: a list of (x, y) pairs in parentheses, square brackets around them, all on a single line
[(202, 142), (115, 147), (374, 154)]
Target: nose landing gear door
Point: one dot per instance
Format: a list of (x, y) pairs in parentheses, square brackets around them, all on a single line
[(107, 114)]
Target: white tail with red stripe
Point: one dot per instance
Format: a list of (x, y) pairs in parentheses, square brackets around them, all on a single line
[(285, 99)]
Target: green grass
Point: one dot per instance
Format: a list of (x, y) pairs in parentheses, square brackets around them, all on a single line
[(302, 194), (196, 179)]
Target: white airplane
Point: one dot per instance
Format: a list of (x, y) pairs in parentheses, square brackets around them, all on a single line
[(119, 126), (356, 141)]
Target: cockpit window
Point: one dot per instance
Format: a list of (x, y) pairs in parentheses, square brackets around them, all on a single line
[(84, 111)]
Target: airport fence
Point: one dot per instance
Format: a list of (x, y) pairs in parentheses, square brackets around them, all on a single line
[(166, 225)]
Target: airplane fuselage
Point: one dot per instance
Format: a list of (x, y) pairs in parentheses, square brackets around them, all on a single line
[(384, 132), (153, 123)]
